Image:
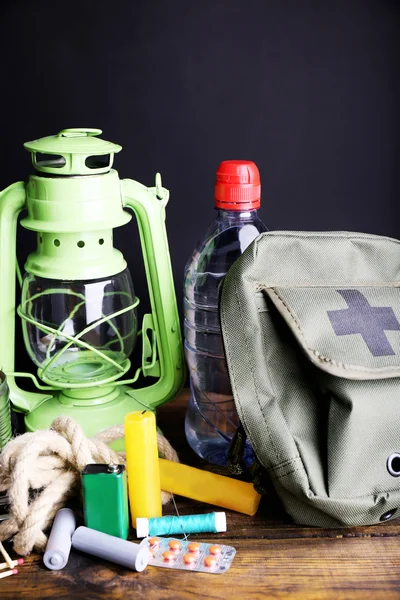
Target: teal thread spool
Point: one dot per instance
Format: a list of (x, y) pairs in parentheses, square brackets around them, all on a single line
[(214, 522)]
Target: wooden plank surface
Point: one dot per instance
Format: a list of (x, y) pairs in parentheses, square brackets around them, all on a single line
[(275, 558)]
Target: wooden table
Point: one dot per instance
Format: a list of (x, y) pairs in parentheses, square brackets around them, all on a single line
[(275, 558)]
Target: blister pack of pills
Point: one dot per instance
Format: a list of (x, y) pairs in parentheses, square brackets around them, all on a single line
[(172, 553)]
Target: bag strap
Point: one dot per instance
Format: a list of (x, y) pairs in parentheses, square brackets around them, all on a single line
[(236, 450), (257, 473)]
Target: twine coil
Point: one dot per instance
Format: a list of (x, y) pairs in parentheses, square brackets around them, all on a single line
[(40, 471)]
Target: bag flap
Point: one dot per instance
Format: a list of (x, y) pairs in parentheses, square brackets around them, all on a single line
[(351, 332)]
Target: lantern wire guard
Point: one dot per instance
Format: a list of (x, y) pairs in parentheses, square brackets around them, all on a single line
[(85, 371)]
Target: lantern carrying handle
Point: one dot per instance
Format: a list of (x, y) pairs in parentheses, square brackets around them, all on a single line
[(12, 202), (148, 204)]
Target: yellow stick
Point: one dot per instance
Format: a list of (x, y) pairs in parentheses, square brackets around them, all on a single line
[(142, 465), (8, 573), (7, 557)]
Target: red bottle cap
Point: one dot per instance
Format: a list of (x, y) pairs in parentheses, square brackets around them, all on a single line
[(238, 185)]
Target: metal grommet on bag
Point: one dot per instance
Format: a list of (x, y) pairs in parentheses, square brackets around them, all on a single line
[(388, 515), (393, 464)]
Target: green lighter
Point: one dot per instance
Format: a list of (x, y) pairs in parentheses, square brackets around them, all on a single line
[(105, 499)]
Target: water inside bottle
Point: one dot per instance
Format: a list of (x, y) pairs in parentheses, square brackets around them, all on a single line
[(210, 425), (211, 418)]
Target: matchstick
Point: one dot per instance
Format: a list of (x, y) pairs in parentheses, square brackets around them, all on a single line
[(8, 573), (7, 557), (15, 563)]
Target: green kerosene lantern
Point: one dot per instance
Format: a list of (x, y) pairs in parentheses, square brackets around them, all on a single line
[(78, 305)]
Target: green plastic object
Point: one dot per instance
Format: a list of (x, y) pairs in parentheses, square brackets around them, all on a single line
[(74, 212), (105, 499), (5, 416)]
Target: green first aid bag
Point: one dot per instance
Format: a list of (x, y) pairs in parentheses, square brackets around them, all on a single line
[(311, 329)]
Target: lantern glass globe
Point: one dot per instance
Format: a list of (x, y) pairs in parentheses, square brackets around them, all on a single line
[(79, 331)]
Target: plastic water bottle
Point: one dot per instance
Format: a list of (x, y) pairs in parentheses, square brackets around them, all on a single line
[(211, 418)]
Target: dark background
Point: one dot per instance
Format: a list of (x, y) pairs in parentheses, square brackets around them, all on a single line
[(309, 90)]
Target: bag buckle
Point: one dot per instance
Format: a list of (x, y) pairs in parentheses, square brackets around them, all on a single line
[(236, 450), (260, 479)]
